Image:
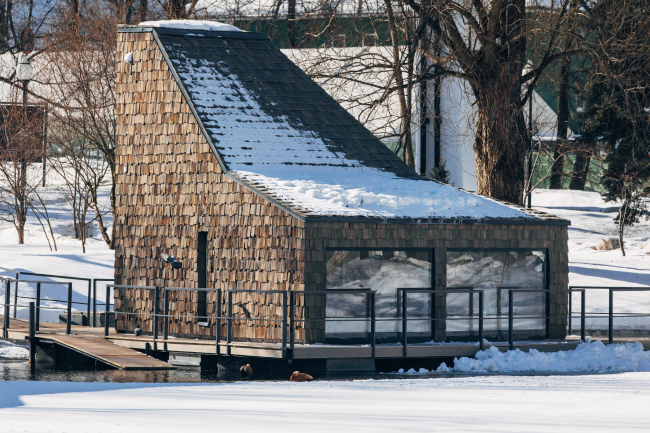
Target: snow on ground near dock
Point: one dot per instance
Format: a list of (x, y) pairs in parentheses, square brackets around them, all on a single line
[(9, 350), (591, 220), (596, 403), (587, 357)]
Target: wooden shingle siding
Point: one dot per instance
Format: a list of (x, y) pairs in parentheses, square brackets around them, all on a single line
[(173, 187)]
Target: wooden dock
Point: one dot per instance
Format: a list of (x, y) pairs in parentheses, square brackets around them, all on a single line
[(89, 342), (107, 352)]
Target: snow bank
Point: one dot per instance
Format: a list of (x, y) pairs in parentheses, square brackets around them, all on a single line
[(588, 356), (12, 351), (212, 26)]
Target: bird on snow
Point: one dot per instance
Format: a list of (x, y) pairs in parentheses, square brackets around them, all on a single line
[(300, 377), (137, 331), (246, 370)]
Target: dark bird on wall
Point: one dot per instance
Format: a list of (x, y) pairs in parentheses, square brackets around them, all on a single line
[(246, 370), (137, 331), (300, 377)]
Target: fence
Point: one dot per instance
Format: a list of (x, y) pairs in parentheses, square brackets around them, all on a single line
[(610, 307), (91, 299), (289, 323)]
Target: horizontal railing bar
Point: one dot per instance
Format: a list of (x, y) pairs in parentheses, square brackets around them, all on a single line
[(612, 288), (125, 286), (52, 300), (259, 291), (186, 290), (54, 276), (9, 269), (40, 281)]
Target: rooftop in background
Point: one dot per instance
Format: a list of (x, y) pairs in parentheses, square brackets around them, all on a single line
[(191, 25), (278, 132)]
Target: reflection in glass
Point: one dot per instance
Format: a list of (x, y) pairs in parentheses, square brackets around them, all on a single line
[(383, 272), (496, 272)]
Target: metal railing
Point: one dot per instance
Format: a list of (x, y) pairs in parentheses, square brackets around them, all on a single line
[(610, 310), (91, 298), (37, 299), (155, 313), (289, 323), (88, 280)]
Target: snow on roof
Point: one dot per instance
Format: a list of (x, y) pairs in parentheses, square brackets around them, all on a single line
[(281, 133), (191, 25), (370, 192)]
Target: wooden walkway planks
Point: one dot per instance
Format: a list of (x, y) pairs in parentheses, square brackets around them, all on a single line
[(107, 352)]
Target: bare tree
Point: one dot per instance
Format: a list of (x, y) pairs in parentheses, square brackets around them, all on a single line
[(21, 145), (80, 80)]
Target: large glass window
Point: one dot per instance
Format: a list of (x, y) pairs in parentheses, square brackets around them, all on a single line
[(384, 272), (496, 273)]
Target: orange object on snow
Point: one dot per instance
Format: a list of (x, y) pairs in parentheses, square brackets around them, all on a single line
[(300, 377), (246, 370)]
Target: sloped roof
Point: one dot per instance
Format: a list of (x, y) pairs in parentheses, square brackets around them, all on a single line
[(280, 134)]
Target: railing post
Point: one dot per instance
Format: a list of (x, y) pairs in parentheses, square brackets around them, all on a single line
[(611, 316), (284, 325), (404, 326), (38, 306), (582, 315), (32, 336), (88, 307), (156, 311), (480, 319), (165, 314), (547, 320), (16, 299), (94, 303), (292, 322), (7, 310), (510, 318), (108, 306), (570, 310), (372, 323), (471, 310), (68, 327), (228, 322), (217, 330)]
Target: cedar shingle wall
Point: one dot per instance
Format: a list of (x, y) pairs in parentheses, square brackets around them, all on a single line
[(174, 188)]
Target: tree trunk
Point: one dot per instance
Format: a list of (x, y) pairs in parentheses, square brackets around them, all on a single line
[(143, 10), (291, 24), (501, 141), (580, 170), (562, 116), (405, 109), (621, 225)]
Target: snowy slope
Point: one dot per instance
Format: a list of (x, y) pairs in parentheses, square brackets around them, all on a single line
[(591, 220)]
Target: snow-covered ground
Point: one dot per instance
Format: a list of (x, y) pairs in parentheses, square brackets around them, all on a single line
[(595, 403), (9, 350), (591, 220)]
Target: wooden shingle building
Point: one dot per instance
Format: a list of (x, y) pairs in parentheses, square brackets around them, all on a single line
[(232, 160)]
